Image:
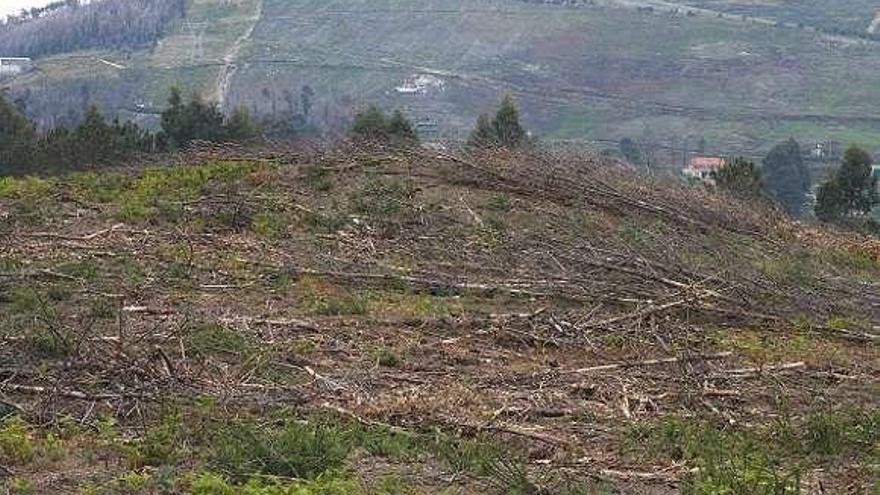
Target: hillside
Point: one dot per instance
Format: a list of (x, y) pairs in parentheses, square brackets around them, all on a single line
[(741, 76), (396, 322)]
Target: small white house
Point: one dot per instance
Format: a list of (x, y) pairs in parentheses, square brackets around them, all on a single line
[(700, 168), (13, 66)]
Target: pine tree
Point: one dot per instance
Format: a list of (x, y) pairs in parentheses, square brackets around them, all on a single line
[(739, 177), (401, 130), (373, 125), (240, 126), (93, 140), (17, 135), (173, 120), (829, 201), (483, 135), (858, 185), (851, 190), (370, 125), (631, 152), (508, 130), (786, 177)]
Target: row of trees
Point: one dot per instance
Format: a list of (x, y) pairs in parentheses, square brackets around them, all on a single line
[(71, 26), (95, 141), (374, 125), (848, 194), (503, 130)]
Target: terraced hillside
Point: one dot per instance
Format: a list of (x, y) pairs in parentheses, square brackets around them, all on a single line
[(401, 322), (665, 73)]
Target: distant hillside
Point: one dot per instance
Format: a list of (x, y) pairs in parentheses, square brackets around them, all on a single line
[(69, 26), (734, 77)]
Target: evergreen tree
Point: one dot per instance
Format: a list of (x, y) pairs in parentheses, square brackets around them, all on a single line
[(191, 121), (373, 125), (173, 119), (786, 177), (829, 201), (240, 126), (631, 152), (401, 129), (508, 130), (483, 135), (93, 140), (17, 135), (739, 177), (370, 125), (851, 190)]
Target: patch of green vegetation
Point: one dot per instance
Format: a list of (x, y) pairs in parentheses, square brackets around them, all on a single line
[(858, 263), (326, 223), (181, 263), (25, 188), (103, 308), (381, 199), (217, 340), (214, 484), (848, 323), (726, 461), (30, 197), (17, 442), (767, 460), (21, 486), (161, 193), (105, 187), (33, 315), (127, 483), (790, 269), (271, 225), (317, 448), (293, 449), (85, 269), (161, 445), (328, 300), (838, 433), (387, 357), (413, 305), (319, 178), (644, 235), (500, 203), (342, 306)]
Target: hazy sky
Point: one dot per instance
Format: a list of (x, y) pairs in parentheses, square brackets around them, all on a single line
[(14, 6)]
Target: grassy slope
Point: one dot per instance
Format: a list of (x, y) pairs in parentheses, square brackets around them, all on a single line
[(397, 323)]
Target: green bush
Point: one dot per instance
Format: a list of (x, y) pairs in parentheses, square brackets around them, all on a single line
[(293, 450), (17, 443)]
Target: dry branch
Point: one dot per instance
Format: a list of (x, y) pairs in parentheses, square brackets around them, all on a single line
[(652, 362)]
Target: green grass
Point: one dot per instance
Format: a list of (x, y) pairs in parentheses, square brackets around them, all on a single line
[(767, 460), (387, 357), (17, 444), (217, 340)]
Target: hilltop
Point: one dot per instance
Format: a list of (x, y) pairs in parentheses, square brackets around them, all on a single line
[(669, 74), (386, 321)]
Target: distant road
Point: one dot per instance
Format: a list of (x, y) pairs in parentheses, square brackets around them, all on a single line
[(230, 65)]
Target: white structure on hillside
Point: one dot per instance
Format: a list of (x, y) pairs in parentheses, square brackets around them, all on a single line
[(13, 66), (701, 168), (421, 84)]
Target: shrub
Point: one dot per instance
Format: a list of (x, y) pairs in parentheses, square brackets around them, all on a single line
[(374, 125), (16, 442), (293, 450)]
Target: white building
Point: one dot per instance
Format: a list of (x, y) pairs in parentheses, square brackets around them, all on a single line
[(13, 66), (701, 168)]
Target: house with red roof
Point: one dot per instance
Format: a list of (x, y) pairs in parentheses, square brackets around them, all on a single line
[(700, 168)]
